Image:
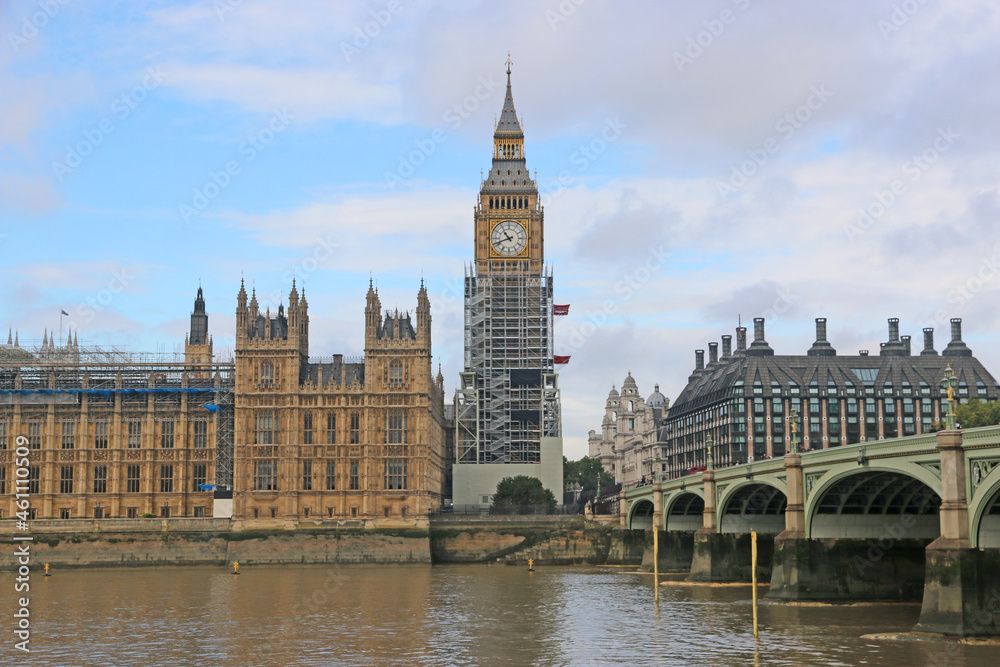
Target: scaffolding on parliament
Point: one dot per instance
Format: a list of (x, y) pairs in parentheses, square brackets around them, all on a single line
[(111, 382)]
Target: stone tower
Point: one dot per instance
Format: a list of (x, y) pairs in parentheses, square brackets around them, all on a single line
[(507, 408), (197, 343)]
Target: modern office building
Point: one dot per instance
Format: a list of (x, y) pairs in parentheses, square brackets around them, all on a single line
[(745, 398)]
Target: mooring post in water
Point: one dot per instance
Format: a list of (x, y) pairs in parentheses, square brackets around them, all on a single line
[(657, 522), (531, 565), (236, 567), (753, 577), (656, 562), (47, 570)]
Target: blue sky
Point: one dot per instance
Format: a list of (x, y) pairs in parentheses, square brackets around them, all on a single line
[(701, 163)]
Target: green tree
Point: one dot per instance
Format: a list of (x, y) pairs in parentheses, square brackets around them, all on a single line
[(522, 495), (978, 413), (588, 473)]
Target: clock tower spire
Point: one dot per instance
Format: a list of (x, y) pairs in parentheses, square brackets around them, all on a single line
[(508, 215)]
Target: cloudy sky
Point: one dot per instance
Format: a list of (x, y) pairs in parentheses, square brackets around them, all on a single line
[(701, 162)]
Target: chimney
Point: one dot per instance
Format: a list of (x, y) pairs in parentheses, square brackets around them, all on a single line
[(906, 344), (713, 353), (821, 348), (929, 342), (863, 353), (727, 346), (956, 348), (895, 347), (699, 360), (741, 339), (759, 346)]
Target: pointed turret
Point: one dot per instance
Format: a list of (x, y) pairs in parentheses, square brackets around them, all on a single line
[(16, 342), (242, 315), (10, 339), (508, 125), (423, 315), (254, 306), (45, 340), (199, 321), (373, 314)]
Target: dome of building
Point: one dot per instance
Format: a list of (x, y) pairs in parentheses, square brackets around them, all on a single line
[(656, 399)]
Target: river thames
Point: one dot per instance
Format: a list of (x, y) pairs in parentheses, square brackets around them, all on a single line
[(466, 615)]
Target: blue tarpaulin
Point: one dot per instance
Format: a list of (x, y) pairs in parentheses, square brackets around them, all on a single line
[(108, 392)]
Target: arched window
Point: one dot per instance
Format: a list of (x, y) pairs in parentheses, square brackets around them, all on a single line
[(396, 373), (267, 372)]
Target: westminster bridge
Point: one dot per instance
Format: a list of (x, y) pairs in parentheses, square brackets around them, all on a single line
[(905, 519)]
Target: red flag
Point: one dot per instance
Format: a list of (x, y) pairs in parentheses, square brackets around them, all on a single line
[(560, 310), (558, 359)]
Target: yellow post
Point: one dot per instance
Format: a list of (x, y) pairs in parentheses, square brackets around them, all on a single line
[(46, 569), (531, 565), (656, 563), (236, 567), (753, 568)]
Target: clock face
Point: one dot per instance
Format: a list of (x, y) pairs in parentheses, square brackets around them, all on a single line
[(509, 238)]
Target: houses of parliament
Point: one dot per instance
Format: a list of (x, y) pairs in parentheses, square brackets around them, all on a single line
[(269, 435)]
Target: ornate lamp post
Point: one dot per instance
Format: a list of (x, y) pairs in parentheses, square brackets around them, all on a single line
[(948, 384), (709, 463), (793, 417)]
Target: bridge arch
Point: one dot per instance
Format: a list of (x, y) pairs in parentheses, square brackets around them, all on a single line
[(684, 511), (875, 502), (640, 515), (752, 505), (984, 512)]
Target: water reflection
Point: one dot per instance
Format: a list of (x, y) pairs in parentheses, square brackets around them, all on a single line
[(464, 615)]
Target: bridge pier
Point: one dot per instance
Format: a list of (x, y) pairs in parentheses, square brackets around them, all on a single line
[(841, 568), (723, 557), (676, 549), (962, 584)]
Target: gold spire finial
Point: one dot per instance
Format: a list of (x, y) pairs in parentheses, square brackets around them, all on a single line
[(509, 63)]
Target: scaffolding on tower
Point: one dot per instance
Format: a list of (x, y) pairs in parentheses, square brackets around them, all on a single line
[(508, 398)]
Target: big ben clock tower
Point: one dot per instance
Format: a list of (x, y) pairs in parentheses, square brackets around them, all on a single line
[(507, 410)]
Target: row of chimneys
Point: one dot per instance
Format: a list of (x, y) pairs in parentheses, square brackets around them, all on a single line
[(896, 346)]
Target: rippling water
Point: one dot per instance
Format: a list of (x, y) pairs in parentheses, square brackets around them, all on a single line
[(462, 615)]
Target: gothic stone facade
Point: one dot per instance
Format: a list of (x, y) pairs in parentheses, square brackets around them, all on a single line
[(107, 438), (112, 438), (340, 438)]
